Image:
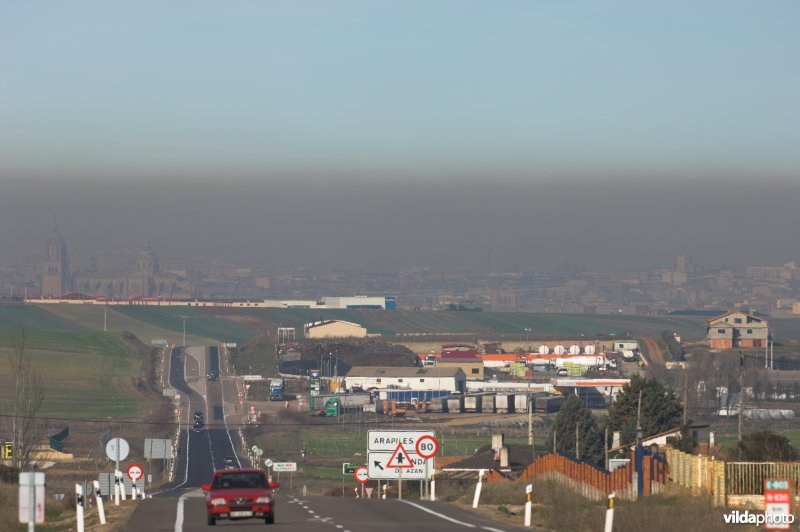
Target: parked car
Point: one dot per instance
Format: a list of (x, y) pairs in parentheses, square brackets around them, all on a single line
[(240, 494)]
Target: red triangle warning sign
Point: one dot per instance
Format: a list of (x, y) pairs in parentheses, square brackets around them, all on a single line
[(400, 458)]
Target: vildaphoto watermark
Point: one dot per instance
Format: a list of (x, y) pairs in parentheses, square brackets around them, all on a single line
[(737, 517)]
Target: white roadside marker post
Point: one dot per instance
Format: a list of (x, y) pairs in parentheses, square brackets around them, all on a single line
[(433, 484), (79, 506), (528, 491), (478, 489), (122, 486), (101, 511), (610, 512)]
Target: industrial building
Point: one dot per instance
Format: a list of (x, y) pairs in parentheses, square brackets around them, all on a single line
[(413, 378)]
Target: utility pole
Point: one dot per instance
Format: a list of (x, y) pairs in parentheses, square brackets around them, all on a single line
[(741, 397), (639, 420), (577, 441), (685, 397)]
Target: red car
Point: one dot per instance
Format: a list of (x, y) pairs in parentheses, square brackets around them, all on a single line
[(240, 494)]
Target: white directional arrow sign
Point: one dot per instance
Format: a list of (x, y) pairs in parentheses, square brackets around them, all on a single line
[(390, 452)]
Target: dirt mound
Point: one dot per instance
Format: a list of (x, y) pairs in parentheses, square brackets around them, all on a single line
[(341, 356)]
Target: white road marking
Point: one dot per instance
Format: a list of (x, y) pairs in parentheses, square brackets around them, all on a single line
[(441, 516), (179, 515), (490, 529)]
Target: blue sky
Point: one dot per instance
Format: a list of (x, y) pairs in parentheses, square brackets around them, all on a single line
[(528, 90)]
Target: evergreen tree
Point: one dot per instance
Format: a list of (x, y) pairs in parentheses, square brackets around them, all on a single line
[(661, 409), (767, 446), (590, 438)]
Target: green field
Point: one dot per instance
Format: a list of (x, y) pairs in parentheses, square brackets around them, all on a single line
[(85, 375), (508, 324)]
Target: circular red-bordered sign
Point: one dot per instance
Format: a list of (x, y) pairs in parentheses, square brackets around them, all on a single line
[(361, 474), (135, 472), (427, 446)]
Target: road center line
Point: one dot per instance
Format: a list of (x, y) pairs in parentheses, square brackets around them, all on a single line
[(441, 516)]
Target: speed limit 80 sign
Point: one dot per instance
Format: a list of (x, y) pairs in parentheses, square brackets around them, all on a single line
[(427, 446)]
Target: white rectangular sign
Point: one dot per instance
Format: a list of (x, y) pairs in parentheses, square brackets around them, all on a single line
[(31, 493), (284, 467), (381, 447), (379, 469), (388, 440)]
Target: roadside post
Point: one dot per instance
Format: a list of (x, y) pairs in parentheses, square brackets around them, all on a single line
[(433, 484), (478, 489), (528, 491), (79, 506), (610, 512), (101, 511)]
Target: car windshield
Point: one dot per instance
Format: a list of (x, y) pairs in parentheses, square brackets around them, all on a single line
[(239, 480)]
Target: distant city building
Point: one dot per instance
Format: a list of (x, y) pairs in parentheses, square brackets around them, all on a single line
[(737, 329), (133, 275), (55, 270)]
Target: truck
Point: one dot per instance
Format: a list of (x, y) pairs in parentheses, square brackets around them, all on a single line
[(335, 404), (276, 389)]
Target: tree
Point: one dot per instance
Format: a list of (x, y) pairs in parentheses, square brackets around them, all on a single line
[(767, 446), (661, 410), (590, 439), (23, 401)]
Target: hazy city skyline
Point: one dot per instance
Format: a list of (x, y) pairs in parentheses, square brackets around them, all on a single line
[(379, 136), (393, 226)]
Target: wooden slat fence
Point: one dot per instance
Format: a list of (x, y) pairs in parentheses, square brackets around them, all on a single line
[(731, 484), (596, 483)]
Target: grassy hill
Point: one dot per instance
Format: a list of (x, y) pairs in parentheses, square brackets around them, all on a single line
[(85, 375)]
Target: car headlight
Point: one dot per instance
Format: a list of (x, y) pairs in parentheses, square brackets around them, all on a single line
[(217, 502), (264, 500)]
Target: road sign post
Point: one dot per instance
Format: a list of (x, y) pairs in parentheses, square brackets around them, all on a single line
[(427, 446), (383, 456), (777, 504), (134, 472)]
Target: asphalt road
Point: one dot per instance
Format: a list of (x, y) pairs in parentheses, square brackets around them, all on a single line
[(180, 506), (331, 514), (200, 453)]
